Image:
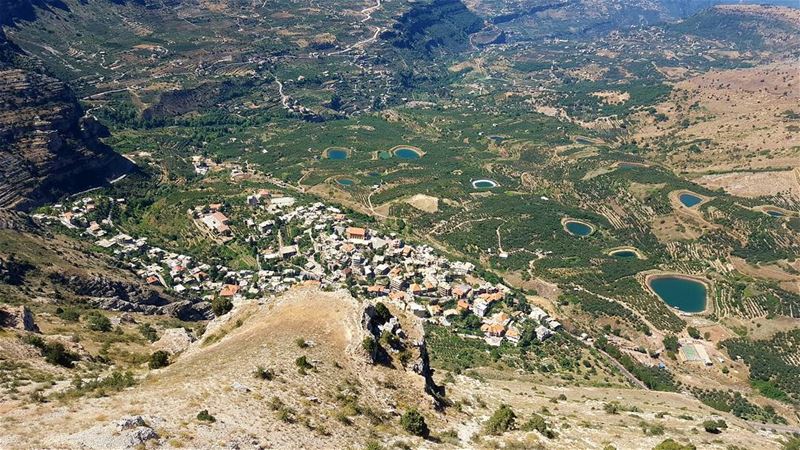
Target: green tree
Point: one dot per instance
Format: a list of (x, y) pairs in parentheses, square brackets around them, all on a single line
[(501, 421), (414, 423), (693, 332), (98, 322), (671, 342)]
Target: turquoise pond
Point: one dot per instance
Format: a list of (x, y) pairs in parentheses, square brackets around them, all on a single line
[(406, 153), (578, 228), (624, 254), (345, 181), (689, 200), (681, 293), (337, 154)]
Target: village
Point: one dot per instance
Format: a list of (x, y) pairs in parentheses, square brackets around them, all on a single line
[(317, 244)]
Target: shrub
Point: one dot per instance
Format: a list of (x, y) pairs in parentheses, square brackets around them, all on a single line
[(98, 322), (148, 332), (68, 314), (303, 365), (792, 444), (611, 408), (373, 445), (369, 345), (158, 360), (652, 429), (53, 352), (221, 306), (714, 426), (301, 342), (414, 423), (264, 374), (669, 444), (537, 423), (205, 416), (501, 421)]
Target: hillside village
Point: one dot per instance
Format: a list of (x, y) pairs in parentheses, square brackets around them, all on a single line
[(326, 248)]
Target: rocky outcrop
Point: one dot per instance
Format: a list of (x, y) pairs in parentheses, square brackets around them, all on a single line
[(48, 148), (126, 433), (113, 295), (411, 341), (19, 318), (189, 311)]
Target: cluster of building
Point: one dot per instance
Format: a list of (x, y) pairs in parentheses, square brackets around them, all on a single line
[(326, 247)]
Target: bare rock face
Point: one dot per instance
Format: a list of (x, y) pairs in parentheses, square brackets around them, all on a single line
[(47, 147), (19, 318)]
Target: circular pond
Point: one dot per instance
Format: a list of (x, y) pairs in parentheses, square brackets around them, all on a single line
[(689, 200), (577, 228), (407, 153), (484, 184), (337, 154), (345, 182), (680, 292)]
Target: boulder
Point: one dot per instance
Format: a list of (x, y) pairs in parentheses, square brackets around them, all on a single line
[(174, 340)]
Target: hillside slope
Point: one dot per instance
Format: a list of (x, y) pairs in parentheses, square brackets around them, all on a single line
[(333, 405), (48, 147)]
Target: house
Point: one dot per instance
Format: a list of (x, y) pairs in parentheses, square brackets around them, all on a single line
[(513, 335), (375, 290), (153, 280), (493, 329), (542, 332), (229, 290), (356, 233), (479, 307), (538, 314), (462, 290), (501, 318), (463, 305), (217, 222), (282, 202), (287, 251), (397, 296)]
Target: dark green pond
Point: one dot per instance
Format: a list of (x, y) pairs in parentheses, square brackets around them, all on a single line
[(483, 184), (345, 181), (578, 228), (625, 254), (682, 293), (689, 200)]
